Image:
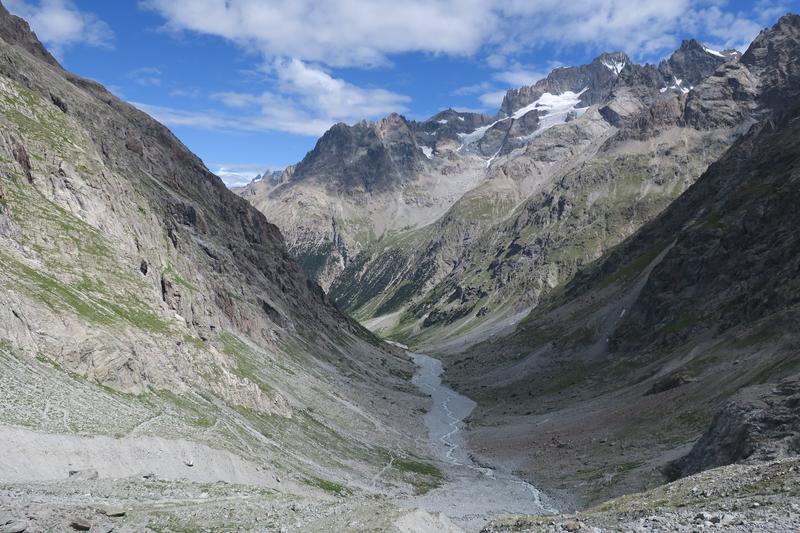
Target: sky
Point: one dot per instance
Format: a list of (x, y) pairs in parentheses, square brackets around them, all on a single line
[(249, 85)]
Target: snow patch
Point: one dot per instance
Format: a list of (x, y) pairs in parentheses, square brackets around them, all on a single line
[(615, 66), (489, 161), (677, 85), (552, 109), (477, 135), (461, 119), (428, 151), (443, 121), (713, 52), (556, 108)]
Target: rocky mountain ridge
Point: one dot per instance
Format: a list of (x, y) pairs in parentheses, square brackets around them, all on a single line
[(467, 270), (365, 182), (464, 159), (691, 64)]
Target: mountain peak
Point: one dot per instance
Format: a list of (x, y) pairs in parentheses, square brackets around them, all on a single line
[(392, 120), (691, 44), (614, 61), (367, 156), (789, 20), (595, 79), (773, 55), (785, 34), (690, 64)]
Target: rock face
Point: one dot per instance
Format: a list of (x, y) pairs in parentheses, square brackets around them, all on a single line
[(364, 182), (691, 64), (143, 300), (16, 30), (597, 78), (759, 424), (368, 157)]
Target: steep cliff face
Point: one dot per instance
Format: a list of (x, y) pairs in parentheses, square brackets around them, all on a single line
[(141, 299), (760, 423), (691, 64), (695, 306), (372, 158)]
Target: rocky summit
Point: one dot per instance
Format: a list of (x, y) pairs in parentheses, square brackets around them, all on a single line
[(578, 313)]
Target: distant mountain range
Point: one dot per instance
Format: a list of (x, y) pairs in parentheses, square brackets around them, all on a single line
[(465, 220)]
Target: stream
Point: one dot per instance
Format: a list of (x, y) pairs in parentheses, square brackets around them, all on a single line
[(471, 495)]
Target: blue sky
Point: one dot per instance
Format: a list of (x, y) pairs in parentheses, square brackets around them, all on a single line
[(251, 84)]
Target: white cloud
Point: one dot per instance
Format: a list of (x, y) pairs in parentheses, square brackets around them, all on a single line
[(639, 27), (725, 30), (476, 88), (146, 76), (519, 75), (333, 97), (197, 119), (336, 32), (59, 24), (299, 40), (492, 99), (368, 32), (185, 93), (239, 174), (310, 102), (769, 10)]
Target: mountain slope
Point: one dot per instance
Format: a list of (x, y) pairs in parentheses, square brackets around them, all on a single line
[(416, 228), (698, 305), (556, 200), (146, 307)]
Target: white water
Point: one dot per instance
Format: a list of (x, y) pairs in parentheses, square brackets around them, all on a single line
[(472, 495)]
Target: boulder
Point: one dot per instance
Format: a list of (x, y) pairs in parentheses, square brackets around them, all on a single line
[(80, 524), (761, 423), (15, 526)]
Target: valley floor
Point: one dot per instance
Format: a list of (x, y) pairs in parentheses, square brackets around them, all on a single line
[(472, 494), (472, 497)]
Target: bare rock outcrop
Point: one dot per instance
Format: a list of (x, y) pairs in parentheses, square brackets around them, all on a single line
[(760, 423)]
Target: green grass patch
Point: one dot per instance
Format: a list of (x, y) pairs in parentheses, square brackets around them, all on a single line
[(425, 469), (329, 486), (194, 341), (245, 360), (53, 293)]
